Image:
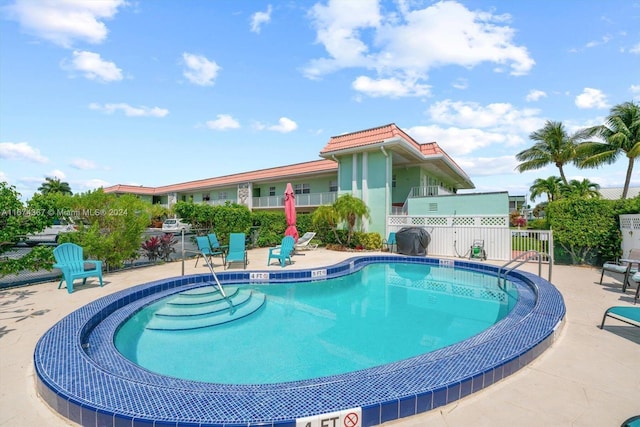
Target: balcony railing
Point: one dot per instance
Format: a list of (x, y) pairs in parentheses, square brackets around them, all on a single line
[(310, 199), (218, 202), (429, 191)]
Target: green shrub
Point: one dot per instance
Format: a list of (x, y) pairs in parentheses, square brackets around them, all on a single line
[(368, 241), (586, 230)]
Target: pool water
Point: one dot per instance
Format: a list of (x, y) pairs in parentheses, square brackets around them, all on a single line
[(383, 313)]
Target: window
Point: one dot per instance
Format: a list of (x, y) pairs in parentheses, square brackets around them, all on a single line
[(302, 189), (272, 191), (222, 195), (393, 181), (206, 197), (333, 185)]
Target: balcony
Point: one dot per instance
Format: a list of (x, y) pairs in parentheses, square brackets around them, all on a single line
[(429, 191), (310, 199)]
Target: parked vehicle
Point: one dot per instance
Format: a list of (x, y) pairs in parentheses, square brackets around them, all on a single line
[(51, 233), (173, 225)]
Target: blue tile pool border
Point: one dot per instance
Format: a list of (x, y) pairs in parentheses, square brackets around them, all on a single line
[(82, 376)]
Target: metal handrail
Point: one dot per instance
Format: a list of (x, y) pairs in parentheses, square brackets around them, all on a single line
[(526, 256)]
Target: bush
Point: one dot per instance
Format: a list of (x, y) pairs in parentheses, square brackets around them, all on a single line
[(586, 231), (368, 241)]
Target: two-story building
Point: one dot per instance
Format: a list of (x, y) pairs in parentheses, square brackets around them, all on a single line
[(383, 166)]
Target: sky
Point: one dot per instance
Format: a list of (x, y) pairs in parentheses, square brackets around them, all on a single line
[(157, 92)]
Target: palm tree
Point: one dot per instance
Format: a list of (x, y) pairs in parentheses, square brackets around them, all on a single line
[(582, 189), (553, 145), (54, 185), (350, 209), (550, 187), (620, 134)]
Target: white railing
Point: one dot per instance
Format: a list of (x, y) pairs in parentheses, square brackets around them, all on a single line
[(310, 199), (454, 236), (219, 202), (428, 191)]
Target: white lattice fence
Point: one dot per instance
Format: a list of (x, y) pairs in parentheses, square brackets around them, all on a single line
[(453, 236)]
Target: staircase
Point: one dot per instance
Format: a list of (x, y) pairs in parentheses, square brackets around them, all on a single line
[(204, 307)]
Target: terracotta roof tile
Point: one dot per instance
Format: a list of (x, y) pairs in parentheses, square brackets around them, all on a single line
[(280, 172)]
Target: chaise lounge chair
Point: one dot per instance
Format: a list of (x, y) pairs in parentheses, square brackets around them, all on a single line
[(622, 269), (626, 314), (237, 250), (283, 252), (204, 246), (304, 242)]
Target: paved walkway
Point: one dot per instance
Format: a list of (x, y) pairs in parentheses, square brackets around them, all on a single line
[(589, 378)]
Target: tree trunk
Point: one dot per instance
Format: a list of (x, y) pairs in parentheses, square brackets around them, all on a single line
[(627, 180)]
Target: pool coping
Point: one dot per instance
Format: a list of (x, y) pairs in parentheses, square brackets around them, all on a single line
[(106, 389)]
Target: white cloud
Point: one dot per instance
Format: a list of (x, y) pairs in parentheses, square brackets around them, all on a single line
[(4, 177), (391, 87), (488, 166), (457, 141), (199, 70), (93, 67), (635, 90), (285, 125), (635, 49), (57, 173), (405, 44), (591, 98), (535, 95), (82, 164), (501, 117), (604, 40), (90, 184), (130, 111), (461, 84), (259, 18), (223, 122), (65, 21), (21, 151)]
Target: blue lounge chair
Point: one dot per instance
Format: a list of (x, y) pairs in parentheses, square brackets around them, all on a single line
[(630, 315), (215, 243), (70, 259), (204, 246), (390, 242), (283, 252), (237, 249)]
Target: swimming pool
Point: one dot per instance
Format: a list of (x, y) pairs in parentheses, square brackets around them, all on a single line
[(81, 375), (378, 315)]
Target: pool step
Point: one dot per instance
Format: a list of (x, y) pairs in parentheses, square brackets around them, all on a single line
[(216, 311), (203, 295), (220, 304)]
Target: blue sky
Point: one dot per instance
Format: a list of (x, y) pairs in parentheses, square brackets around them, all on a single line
[(157, 92)]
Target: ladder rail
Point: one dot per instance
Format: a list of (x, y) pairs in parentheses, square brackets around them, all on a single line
[(215, 278), (523, 257)]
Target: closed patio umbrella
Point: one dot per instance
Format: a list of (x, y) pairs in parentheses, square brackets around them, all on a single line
[(290, 212)]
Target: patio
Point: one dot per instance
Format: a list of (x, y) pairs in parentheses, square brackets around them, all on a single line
[(588, 378)]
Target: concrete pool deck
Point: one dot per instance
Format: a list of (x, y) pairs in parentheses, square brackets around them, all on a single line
[(589, 377)]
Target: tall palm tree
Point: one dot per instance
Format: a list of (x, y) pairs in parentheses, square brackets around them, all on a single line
[(54, 185), (620, 135), (350, 209), (553, 146), (550, 187), (583, 189)]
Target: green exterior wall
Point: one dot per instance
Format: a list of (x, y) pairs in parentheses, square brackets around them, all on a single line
[(461, 204), (406, 178), (376, 196)]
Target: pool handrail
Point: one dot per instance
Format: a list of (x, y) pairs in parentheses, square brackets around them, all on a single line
[(215, 278), (503, 272)]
